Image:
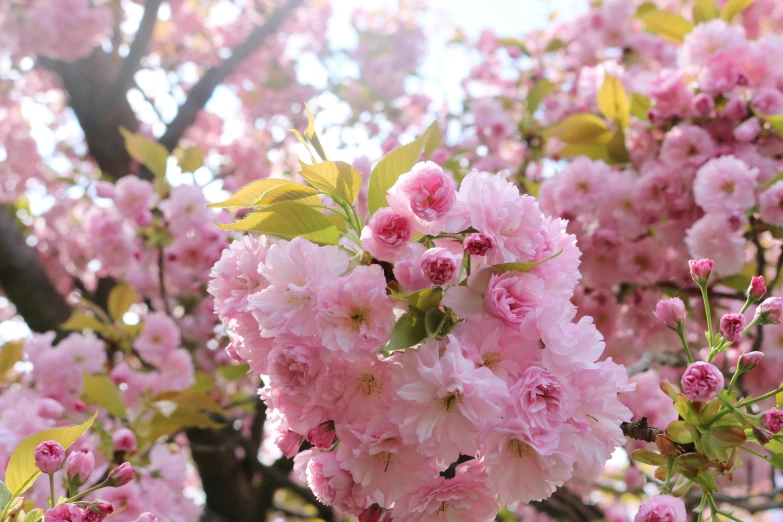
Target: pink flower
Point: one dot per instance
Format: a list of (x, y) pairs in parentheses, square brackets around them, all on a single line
[(773, 420), (465, 497), (748, 130), (322, 436), (702, 381), (671, 312), (750, 361), (331, 484), (79, 466), (725, 184), (757, 288), (731, 327), (662, 508), (134, 196), (121, 475), (124, 440), (158, 339), (771, 204), (355, 316), (185, 209), (513, 295), (289, 443), (444, 402), (539, 401), (236, 275), (431, 192), (49, 456), (703, 104), (768, 101), (770, 311), (687, 145), (714, 237), (720, 74), (408, 270), (64, 513), (386, 234), (736, 109), (707, 39), (147, 517), (438, 265), (98, 511), (672, 96), (477, 244)]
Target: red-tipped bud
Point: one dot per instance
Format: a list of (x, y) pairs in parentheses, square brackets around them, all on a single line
[(671, 312), (701, 269), (122, 474), (757, 288), (750, 361)]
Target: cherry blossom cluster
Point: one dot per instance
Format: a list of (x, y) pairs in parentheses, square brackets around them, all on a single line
[(413, 405)]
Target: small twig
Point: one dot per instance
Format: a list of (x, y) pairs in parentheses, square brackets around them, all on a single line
[(163, 294), (640, 430), (673, 359)]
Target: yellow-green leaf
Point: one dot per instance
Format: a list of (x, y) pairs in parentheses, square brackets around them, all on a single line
[(582, 129), (10, 354), (312, 136), (595, 152), (147, 152), (408, 331), (234, 372), (121, 298), (666, 25), (393, 165), (435, 140), (618, 153), (288, 220), (513, 42), (540, 90), (250, 193), (290, 192), (779, 397), (22, 471), (613, 102), (705, 10), (555, 45), (79, 321), (776, 121), (182, 417), (192, 398), (189, 159), (101, 390), (640, 105), (204, 382), (334, 178), (734, 7)]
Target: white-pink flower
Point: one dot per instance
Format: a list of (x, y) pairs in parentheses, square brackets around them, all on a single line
[(725, 184), (159, 338)]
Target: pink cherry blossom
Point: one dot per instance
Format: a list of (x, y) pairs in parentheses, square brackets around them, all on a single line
[(662, 508), (724, 185), (702, 381), (386, 234)]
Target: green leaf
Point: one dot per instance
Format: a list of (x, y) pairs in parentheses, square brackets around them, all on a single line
[(707, 482), (35, 515), (422, 299), (705, 10), (10, 354), (730, 436), (777, 461), (182, 417), (540, 90), (121, 297), (582, 128), (22, 471), (101, 390), (666, 25), (234, 372), (312, 136), (79, 321), (776, 121), (5, 496), (738, 282), (434, 320), (613, 102), (151, 154), (514, 42), (190, 159), (777, 177), (408, 331), (393, 165), (555, 45), (618, 154), (250, 193), (686, 410), (691, 460), (594, 152), (290, 192), (204, 382), (779, 397), (288, 220), (679, 432), (652, 458), (194, 398), (435, 140), (712, 447), (640, 105), (734, 7), (681, 486), (334, 178)]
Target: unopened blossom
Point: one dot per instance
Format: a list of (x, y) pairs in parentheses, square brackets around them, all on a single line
[(79, 466), (702, 381), (146, 517), (770, 311), (671, 312), (757, 288), (700, 269), (124, 440), (661, 508), (98, 511), (121, 475), (49, 456), (773, 420), (750, 361), (732, 326), (438, 265)]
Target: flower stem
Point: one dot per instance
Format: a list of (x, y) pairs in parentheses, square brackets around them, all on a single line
[(51, 488), (88, 491), (681, 333), (706, 299), (734, 379), (760, 397)]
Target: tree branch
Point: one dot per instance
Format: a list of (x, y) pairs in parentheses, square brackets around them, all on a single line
[(137, 51), (640, 430), (673, 359), (564, 504), (25, 282), (202, 91)]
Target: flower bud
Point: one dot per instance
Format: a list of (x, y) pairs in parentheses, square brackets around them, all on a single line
[(770, 311), (773, 420), (438, 265), (374, 513), (121, 475), (97, 512), (50, 409), (124, 440), (79, 466), (146, 517), (762, 435), (703, 104), (702, 381), (701, 269), (671, 312), (749, 361), (477, 244), (731, 327), (322, 436), (757, 288), (49, 456), (79, 406)]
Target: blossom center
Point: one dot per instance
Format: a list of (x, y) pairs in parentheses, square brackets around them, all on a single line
[(385, 459), (519, 449), (368, 384), (451, 399), (358, 317), (491, 360)]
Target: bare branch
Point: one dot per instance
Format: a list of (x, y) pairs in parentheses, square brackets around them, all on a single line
[(640, 430), (202, 91), (673, 359)]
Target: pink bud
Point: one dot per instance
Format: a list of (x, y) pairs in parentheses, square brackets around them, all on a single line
[(477, 244), (431, 191), (322, 436), (122, 474), (773, 420), (736, 109), (97, 512), (390, 229), (124, 440), (701, 269), (146, 517), (757, 287), (64, 513), (703, 104), (289, 443), (438, 265), (49, 456), (731, 326), (770, 310), (762, 435), (671, 312), (748, 130), (750, 361), (79, 406), (702, 381), (50, 409), (79, 466), (374, 513)]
